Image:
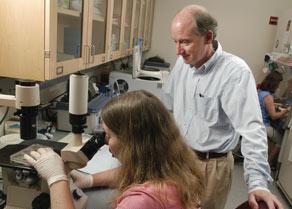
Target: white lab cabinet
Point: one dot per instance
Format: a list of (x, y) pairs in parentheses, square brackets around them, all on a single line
[(283, 39), (46, 39), (285, 173)]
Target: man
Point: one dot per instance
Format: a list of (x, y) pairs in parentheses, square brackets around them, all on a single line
[(213, 97)]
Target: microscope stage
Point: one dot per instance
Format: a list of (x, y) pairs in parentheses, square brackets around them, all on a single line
[(12, 149)]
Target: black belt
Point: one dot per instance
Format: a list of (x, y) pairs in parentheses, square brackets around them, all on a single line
[(209, 155)]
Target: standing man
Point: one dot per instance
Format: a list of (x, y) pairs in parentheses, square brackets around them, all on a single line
[(213, 97)]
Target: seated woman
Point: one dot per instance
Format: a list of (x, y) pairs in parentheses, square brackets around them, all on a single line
[(269, 111), (157, 167)]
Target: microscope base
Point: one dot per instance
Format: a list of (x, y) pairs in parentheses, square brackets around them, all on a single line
[(20, 194), (21, 197)]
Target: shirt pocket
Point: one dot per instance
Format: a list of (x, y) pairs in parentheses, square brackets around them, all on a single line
[(206, 108)]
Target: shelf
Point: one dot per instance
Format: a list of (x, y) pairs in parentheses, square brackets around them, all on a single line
[(69, 12)]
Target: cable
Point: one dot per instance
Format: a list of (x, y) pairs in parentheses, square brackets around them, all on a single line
[(118, 91), (58, 96), (5, 114)]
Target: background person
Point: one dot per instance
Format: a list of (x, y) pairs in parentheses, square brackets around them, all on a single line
[(157, 170), (213, 97), (269, 111)]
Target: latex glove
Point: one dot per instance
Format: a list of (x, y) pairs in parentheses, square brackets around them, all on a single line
[(81, 180), (48, 164)]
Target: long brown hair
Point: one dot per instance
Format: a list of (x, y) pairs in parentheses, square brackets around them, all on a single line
[(271, 82), (152, 148)]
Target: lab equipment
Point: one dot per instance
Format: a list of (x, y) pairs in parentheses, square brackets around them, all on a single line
[(283, 39), (285, 159), (21, 183), (150, 79), (92, 118), (137, 71), (123, 81), (26, 102)]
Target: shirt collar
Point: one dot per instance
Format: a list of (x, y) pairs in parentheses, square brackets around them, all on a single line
[(208, 65)]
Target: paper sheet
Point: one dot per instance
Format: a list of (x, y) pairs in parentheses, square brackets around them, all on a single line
[(101, 161)]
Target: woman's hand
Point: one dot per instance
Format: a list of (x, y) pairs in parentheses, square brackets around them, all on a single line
[(82, 180), (284, 111), (48, 164)]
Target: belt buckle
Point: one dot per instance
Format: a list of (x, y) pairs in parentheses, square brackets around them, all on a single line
[(207, 155)]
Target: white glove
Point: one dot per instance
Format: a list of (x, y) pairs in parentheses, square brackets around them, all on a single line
[(48, 164), (81, 180)]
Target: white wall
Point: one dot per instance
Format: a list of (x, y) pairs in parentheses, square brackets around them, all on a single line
[(243, 27)]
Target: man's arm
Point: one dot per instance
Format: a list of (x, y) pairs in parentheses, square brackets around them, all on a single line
[(271, 200), (243, 109)]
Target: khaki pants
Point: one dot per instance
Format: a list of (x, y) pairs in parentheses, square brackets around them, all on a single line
[(218, 173)]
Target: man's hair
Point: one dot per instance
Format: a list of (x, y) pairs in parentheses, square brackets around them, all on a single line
[(151, 148), (205, 22), (271, 82)]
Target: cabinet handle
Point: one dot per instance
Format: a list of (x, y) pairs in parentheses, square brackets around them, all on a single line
[(103, 59), (123, 48), (92, 54), (89, 54), (78, 50), (59, 70), (86, 48)]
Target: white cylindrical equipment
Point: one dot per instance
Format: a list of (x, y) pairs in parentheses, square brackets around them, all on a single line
[(78, 94), (27, 96)]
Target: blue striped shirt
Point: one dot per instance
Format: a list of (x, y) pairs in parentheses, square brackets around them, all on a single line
[(215, 104)]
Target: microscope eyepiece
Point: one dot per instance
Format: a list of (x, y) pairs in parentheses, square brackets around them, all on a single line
[(93, 144)]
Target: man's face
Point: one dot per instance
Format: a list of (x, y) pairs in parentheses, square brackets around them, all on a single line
[(189, 44)]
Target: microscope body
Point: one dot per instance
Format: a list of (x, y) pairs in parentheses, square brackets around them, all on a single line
[(23, 187)]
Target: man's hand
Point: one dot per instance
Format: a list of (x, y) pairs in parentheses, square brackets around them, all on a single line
[(48, 164), (82, 180), (271, 200)]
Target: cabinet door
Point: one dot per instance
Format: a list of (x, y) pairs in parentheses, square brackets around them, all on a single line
[(64, 37), (98, 21), (149, 25), (142, 20), (115, 29), (286, 167), (127, 21), (283, 38), (22, 39), (136, 18)]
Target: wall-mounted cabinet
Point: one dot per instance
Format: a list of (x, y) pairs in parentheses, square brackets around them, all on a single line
[(97, 32), (115, 29), (128, 20), (148, 25), (41, 40), (46, 39)]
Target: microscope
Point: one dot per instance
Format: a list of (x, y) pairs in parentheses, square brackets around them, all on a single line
[(21, 184)]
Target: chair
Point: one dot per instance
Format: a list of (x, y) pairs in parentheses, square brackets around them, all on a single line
[(245, 205)]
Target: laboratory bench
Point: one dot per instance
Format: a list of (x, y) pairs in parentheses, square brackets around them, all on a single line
[(102, 160)]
